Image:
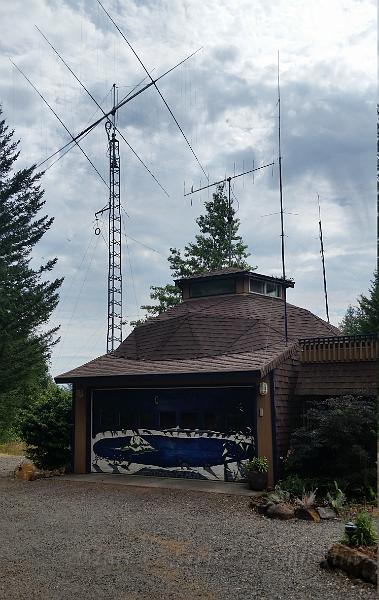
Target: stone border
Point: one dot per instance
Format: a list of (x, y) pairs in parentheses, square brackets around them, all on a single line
[(354, 563)]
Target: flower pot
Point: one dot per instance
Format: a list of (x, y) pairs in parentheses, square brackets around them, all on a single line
[(256, 480)]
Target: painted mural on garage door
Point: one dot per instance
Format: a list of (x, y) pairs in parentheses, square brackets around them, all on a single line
[(194, 433)]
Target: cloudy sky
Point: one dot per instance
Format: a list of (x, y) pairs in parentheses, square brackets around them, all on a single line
[(225, 98)]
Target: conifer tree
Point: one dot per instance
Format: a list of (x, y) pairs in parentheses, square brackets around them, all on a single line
[(209, 252), (363, 318), (27, 297)]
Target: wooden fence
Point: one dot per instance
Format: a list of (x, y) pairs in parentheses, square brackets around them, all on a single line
[(342, 348)]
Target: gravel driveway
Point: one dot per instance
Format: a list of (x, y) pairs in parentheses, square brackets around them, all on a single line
[(63, 540)]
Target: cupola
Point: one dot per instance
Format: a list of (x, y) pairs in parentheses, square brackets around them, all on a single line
[(232, 280)]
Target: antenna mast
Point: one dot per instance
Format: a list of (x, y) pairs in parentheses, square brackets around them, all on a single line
[(323, 259), (281, 214), (230, 216)]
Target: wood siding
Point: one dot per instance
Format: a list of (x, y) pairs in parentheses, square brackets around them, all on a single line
[(80, 429), (287, 406)]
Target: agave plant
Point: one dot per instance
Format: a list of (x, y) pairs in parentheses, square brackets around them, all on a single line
[(308, 499)]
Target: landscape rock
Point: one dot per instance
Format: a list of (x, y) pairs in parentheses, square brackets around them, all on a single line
[(25, 471), (307, 514), (353, 562), (326, 513), (280, 511)]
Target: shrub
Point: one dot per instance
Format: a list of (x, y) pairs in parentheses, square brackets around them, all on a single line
[(365, 533), (338, 442), (45, 427)]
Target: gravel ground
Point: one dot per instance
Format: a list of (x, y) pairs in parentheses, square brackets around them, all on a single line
[(61, 540)]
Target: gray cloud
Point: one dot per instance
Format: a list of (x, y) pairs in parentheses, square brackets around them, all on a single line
[(225, 99)]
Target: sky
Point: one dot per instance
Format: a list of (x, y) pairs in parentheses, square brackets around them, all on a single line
[(225, 99)]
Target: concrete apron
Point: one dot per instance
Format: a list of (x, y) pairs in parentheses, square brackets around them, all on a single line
[(167, 483)]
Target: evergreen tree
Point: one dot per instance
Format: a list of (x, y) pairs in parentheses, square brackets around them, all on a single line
[(27, 297), (363, 318), (209, 252)]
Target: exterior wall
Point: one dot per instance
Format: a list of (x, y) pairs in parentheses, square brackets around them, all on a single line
[(327, 379), (287, 406), (80, 429), (264, 428)]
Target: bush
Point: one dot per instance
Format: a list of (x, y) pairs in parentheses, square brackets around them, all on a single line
[(338, 442), (45, 427), (365, 533)]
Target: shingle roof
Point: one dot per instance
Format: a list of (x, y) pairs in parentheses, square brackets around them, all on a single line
[(237, 332), (230, 271)]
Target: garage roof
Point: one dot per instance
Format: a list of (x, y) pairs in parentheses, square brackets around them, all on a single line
[(231, 333)]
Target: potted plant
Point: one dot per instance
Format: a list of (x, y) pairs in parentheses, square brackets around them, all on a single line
[(257, 473)]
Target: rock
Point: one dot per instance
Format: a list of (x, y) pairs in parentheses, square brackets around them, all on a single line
[(280, 511), (25, 471), (307, 514), (260, 507), (326, 512), (353, 562)]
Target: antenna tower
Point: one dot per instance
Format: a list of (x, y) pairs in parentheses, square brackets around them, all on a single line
[(114, 332), (114, 321)]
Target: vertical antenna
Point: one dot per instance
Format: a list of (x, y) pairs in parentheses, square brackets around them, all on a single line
[(323, 259), (281, 214), (230, 221), (114, 334)]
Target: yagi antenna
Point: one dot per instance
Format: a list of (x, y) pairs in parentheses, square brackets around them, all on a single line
[(114, 331), (230, 219), (154, 82), (323, 259)]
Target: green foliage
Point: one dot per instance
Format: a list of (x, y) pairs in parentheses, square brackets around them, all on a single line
[(45, 427), (365, 533), (337, 499), (279, 495), (211, 248), (338, 442), (259, 464), (363, 318), (296, 485), (166, 297), (209, 252), (27, 297)]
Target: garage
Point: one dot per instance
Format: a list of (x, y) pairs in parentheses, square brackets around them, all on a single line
[(197, 433)]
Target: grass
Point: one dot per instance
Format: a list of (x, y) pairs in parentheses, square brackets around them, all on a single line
[(12, 448)]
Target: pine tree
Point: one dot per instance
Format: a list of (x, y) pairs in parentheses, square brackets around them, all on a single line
[(27, 297), (363, 318), (209, 252)]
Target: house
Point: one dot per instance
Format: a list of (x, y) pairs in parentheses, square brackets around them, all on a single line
[(212, 382)]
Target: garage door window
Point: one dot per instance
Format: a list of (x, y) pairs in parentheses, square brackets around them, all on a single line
[(167, 419)]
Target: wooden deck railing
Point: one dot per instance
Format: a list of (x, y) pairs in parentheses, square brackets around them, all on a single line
[(342, 348)]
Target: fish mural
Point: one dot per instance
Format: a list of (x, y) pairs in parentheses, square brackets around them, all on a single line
[(175, 449), (175, 432)]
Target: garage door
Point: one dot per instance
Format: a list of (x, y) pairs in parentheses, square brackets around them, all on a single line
[(198, 433)]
